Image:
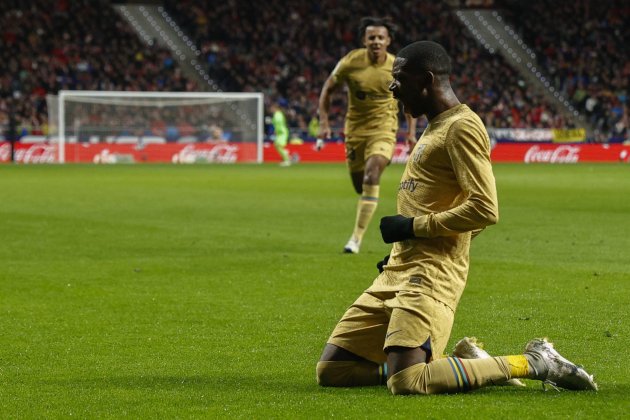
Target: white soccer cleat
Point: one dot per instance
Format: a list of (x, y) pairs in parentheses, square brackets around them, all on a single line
[(470, 348), (352, 247), (559, 371), (285, 163)]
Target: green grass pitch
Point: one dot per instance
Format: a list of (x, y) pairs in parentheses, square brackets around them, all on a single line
[(151, 291)]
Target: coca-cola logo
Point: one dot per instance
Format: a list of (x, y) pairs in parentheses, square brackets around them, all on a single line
[(220, 153), (560, 154), (36, 153)]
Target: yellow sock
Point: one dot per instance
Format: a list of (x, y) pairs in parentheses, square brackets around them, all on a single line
[(519, 366), (365, 210)]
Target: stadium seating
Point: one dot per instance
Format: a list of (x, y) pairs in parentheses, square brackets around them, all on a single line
[(583, 47), (48, 45), (287, 49)]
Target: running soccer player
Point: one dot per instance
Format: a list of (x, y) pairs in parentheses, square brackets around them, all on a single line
[(397, 330), (371, 120), (281, 132)]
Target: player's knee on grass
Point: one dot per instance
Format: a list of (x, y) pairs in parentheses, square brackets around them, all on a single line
[(451, 374), (425, 379), (349, 373), (409, 381), (326, 375)]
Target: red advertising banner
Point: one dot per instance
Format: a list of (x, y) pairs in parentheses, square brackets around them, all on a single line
[(501, 152), (246, 152), (560, 153), (130, 153)]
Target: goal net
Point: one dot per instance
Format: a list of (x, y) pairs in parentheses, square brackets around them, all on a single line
[(146, 119)]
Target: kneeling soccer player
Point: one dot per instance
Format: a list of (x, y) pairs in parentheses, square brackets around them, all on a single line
[(397, 330)]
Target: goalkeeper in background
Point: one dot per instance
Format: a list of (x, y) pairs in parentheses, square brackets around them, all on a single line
[(371, 119), (281, 131)]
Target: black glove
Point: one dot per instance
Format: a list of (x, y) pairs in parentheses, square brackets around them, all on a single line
[(396, 228), (381, 263)]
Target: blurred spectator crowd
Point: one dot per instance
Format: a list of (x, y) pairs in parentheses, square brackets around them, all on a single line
[(48, 45), (584, 46), (287, 48)]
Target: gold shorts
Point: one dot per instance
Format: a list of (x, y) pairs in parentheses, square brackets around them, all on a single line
[(404, 318), (359, 149)]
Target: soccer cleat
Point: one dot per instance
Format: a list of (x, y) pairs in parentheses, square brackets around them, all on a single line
[(352, 247), (469, 348), (553, 369), (285, 163)]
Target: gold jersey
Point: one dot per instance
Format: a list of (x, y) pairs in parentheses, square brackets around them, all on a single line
[(449, 187), (372, 109)]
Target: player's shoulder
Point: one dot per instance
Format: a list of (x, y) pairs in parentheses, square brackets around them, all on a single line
[(455, 114), (389, 61), (465, 122), (466, 117), (355, 59), (355, 55)]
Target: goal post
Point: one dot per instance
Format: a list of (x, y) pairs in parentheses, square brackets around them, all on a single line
[(143, 118)]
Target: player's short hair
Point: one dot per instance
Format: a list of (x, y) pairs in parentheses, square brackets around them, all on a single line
[(426, 56), (375, 21)]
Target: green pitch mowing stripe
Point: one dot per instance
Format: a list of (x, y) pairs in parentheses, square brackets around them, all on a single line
[(209, 291)]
